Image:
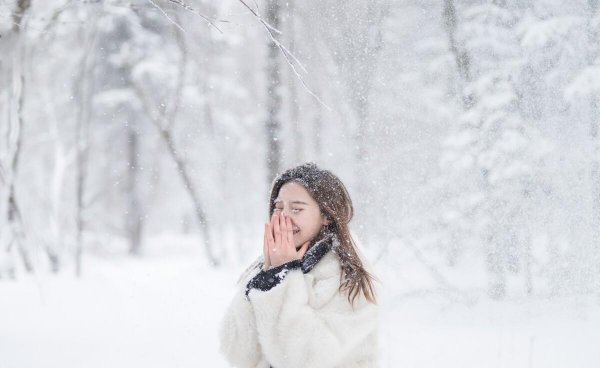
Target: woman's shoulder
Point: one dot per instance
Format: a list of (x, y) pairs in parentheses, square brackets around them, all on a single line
[(329, 266)]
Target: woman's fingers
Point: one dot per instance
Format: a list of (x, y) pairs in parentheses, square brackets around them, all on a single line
[(287, 234), (270, 238), (290, 232), (277, 231), (283, 226), (279, 240), (284, 231)]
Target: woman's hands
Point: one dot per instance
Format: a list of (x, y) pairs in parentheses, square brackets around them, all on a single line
[(279, 245)]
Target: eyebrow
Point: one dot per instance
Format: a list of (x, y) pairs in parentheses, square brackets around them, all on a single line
[(294, 202)]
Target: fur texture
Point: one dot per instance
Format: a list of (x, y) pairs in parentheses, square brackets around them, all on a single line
[(303, 322)]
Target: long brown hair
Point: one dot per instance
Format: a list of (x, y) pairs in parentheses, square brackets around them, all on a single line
[(335, 203)]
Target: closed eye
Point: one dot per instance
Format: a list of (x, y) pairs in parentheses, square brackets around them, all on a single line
[(295, 210)]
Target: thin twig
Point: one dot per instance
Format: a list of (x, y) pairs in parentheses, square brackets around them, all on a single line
[(437, 275), (167, 16), (55, 16), (171, 108), (255, 13), (286, 53), (189, 8)]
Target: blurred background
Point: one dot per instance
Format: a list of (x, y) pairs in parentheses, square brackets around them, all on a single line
[(139, 140)]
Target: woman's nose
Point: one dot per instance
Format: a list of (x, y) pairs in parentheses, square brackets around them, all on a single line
[(289, 213)]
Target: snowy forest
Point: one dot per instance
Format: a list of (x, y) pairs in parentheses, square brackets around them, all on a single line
[(139, 140)]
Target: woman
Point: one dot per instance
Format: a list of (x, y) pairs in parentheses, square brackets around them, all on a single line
[(308, 302)]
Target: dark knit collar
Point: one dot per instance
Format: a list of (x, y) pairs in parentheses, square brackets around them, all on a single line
[(266, 280), (315, 253)]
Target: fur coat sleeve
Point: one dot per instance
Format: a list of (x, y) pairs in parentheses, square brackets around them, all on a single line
[(238, 338)]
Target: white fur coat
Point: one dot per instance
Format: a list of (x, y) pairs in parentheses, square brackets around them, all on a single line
[(301, 322)]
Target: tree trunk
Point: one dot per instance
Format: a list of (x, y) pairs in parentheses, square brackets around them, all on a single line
[(594, 257), (191, 189), (461, 57), (293, 99), (493, 247), (13, 45), (85, 91), (163, 120), (134, 212), (527, 266), (273, 124), (363, 68)]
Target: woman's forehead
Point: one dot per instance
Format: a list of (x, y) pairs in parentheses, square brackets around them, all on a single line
[(293, 193)]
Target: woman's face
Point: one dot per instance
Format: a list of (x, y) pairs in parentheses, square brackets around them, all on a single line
[(307, 220)]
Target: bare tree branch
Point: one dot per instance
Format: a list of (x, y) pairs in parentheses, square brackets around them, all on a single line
[(444, 284), (167, 16), (191, 9), (163, 120), (286, 53)]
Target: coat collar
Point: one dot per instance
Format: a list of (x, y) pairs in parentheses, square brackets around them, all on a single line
[(315, 253), (320, 259)]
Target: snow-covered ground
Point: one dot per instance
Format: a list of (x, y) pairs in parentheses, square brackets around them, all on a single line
[(164, 312)]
